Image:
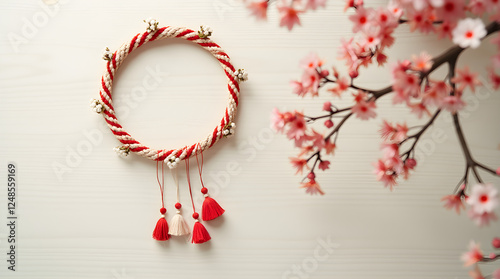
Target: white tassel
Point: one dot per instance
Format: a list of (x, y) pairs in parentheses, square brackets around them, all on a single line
[(178, 226)]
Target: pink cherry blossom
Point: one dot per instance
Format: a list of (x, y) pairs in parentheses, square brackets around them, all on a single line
[(408, 165), (364, 110), (445, 29), (311, 62), (394, 133), (477, 7), (419, 109), (469, 32), (360, 18), (381, 58), (305, 150), (384, 18), (387, 131), (395, 8), (298, 88), (314, 4), (405, 85), (329, 147), (310, 83), (465, 79), (472, 256), (342, 84), (435, 94), (453, 104), (258, 8), (371, 37), (451, 10), (277, 120), (453, 202), (348, 53), (422, 62), (422, 20), (387, 38), (482, 219), (297, 127), (289, 15), (312, 187), (390, 150), (483, 198), (400, 67), (324, 165), (498, 171), (317, 139), (385, 174), (299, 164)]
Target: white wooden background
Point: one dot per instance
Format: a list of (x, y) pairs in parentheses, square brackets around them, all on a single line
[(94, 217)]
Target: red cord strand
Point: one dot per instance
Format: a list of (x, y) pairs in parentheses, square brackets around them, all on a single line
[(162, 183), (189, 183), (200, 168)]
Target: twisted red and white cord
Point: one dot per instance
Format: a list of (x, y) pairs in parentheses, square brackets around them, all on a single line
[(115, 59)]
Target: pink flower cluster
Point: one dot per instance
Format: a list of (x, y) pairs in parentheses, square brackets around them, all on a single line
[(311, 77), (293, 124), (407, 85), (414, 84), (482, 202), (474, 256), (392, 165), (289, 10)]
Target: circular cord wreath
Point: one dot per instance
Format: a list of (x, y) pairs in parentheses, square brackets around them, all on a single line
[(153, 33)]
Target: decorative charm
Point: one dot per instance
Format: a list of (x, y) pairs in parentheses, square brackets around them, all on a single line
[(242, 75), (96, 105), (172, 157), (204, 32), (152, 25), (122, 151), (107, 54)]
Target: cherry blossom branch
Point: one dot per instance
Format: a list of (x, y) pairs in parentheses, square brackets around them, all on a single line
[(449, 57), (470, 162), (419, 134)]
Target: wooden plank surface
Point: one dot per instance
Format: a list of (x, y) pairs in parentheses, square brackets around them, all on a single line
[(85, 213)]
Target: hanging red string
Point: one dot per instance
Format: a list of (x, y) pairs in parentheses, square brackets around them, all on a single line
[(210, 208), (200, 233), (162, 183), (189, 184), (160, 232)]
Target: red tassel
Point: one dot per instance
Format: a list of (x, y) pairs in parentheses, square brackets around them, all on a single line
[(200, 233), (210, 208), (161, 230)]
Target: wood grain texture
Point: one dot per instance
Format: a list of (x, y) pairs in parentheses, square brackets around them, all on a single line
[(95, 220)]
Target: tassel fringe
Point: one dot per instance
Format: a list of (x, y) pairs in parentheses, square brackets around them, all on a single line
[(200, 233), (161, 230), (210, 209), (178, 226)]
